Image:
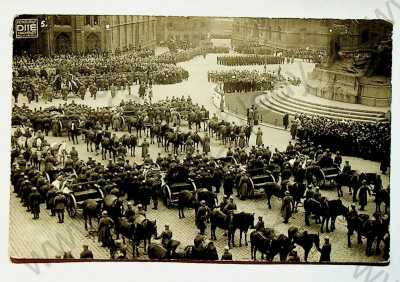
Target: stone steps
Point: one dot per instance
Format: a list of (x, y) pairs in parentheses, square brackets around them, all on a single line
[(282, 103), (328, 108)]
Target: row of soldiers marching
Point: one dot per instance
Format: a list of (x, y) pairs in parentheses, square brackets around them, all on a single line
[(251, 60)]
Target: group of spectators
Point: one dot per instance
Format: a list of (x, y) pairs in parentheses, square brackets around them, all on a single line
[(35, 74), (366, 140), (188, 54), (311, 55), (244, 80), (251, 60)]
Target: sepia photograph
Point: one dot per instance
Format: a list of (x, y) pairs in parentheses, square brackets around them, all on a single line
[(202, 139)]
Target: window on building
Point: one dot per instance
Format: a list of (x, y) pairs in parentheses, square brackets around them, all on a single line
[(270, 33), (96, 20), (87, 20), (279, 33), (62, 20), (365, 36)]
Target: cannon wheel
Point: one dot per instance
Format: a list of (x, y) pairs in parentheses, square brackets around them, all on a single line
[(100, 191), (272, 177), (251, 192), (71, 205), (323, 180), (48, 177), (167, 196), (193, 184)]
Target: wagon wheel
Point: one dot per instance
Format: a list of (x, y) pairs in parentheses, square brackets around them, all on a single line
[(272, 177), (167, 196), (321, 177), (48, 177), (252, 189), (71, 206)]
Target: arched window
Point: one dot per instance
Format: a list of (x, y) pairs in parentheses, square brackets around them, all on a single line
[(365, 36), (93, 42), (63, 43), (87, 20)]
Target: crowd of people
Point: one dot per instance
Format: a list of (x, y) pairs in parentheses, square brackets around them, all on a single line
[(188, 54), (311, 55), (61, 74), (33, 158), (366, 140), (244, 80), (121, 177), (251, 60)]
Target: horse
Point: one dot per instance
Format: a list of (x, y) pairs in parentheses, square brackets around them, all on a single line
[(196, 139), (91, 209), (173, 138), (144, 230), (371, 228), (59, 151), (72, 133), (336, 208), (139, 125), (188, 199), (242, 221), (90, 139), (157, 251), (382, 196), (113, 206), (56, 127), (199, 252), (130, 122), (130, 141), (155, 130), (209, 197), (296, 190), (273, 189), (333, 209), (106, 146), (98, 140), (247, 131), (303, 239), (125, 228), (268, 244)]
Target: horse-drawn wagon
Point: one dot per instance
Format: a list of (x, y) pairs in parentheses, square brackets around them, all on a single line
[(77, 194), (259, 178), (150, 170), (173, 182), (68, 173), (323, 176), (329, 173), (228, 161)]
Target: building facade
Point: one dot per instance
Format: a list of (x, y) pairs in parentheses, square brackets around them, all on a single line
[(191, 29), (280, 33), (60, 34), (312, 33), (221, 27)]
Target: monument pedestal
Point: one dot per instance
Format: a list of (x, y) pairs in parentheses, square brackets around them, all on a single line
[(349, 88)]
